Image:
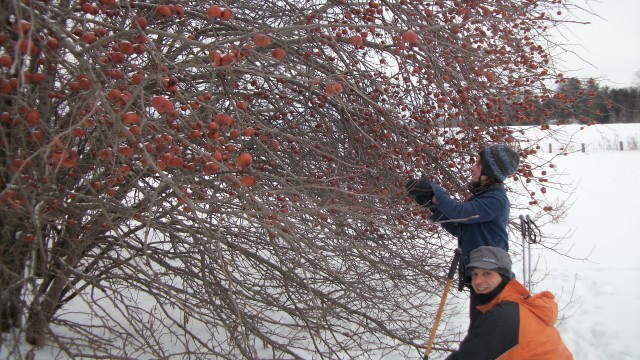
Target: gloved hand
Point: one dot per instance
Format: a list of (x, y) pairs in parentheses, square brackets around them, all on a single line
[(420, 190)]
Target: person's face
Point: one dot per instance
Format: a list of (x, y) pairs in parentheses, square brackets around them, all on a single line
[(476, 170), (484, 280)]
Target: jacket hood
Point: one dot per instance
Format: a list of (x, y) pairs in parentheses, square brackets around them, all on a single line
[(542, 304)]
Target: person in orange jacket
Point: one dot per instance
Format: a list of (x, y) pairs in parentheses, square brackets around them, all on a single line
[(514, 325)]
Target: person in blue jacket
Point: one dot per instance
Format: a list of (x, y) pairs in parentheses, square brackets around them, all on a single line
[(480, 220)]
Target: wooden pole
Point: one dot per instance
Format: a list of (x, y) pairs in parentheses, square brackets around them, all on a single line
[(443, 300)]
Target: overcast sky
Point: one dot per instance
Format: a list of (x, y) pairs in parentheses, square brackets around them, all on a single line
[(610, 43)]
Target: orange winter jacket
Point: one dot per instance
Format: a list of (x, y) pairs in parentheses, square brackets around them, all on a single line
[(515, 326)]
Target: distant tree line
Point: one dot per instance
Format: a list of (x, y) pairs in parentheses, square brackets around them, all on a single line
[(600, 104), (583, 101), (625, 105)]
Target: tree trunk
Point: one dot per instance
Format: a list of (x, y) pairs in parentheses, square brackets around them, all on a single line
[(51, 291), (41, 312), (13, 255)]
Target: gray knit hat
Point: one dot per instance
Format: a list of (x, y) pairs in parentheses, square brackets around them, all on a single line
[(499, 161), (490, 258)]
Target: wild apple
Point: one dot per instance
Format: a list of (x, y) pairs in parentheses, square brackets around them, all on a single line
[(5, 61), (227, 14), (223, 120), (124, 170), (26, 46), (261, 40), (215, 57), (356, 40), (278, 54), (410, 36), (28, 238), (248, 181), (79, 132), (88, 37), (244, 160), (241, 105), (22, 27), (130, 118), (334, 89), (32, 117), (249, 132), (214, 11), (135, 130), (163, 11), (142, 22)]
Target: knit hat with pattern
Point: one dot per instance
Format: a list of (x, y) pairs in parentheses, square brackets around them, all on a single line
[(499, 161)]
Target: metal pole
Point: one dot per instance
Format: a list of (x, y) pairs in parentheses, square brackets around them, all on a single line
[(532, 238), (523, 231), (529, 231)]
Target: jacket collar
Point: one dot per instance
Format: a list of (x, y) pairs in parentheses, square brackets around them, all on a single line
[(543, 304), (476, 190)]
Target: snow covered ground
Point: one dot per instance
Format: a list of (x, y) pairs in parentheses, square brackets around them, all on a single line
[(603, 319), (598, 297)]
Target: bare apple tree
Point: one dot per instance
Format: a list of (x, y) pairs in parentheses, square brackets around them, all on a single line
[(199, 179)]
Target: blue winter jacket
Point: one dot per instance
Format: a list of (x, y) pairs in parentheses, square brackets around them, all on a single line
[(488, 227)]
